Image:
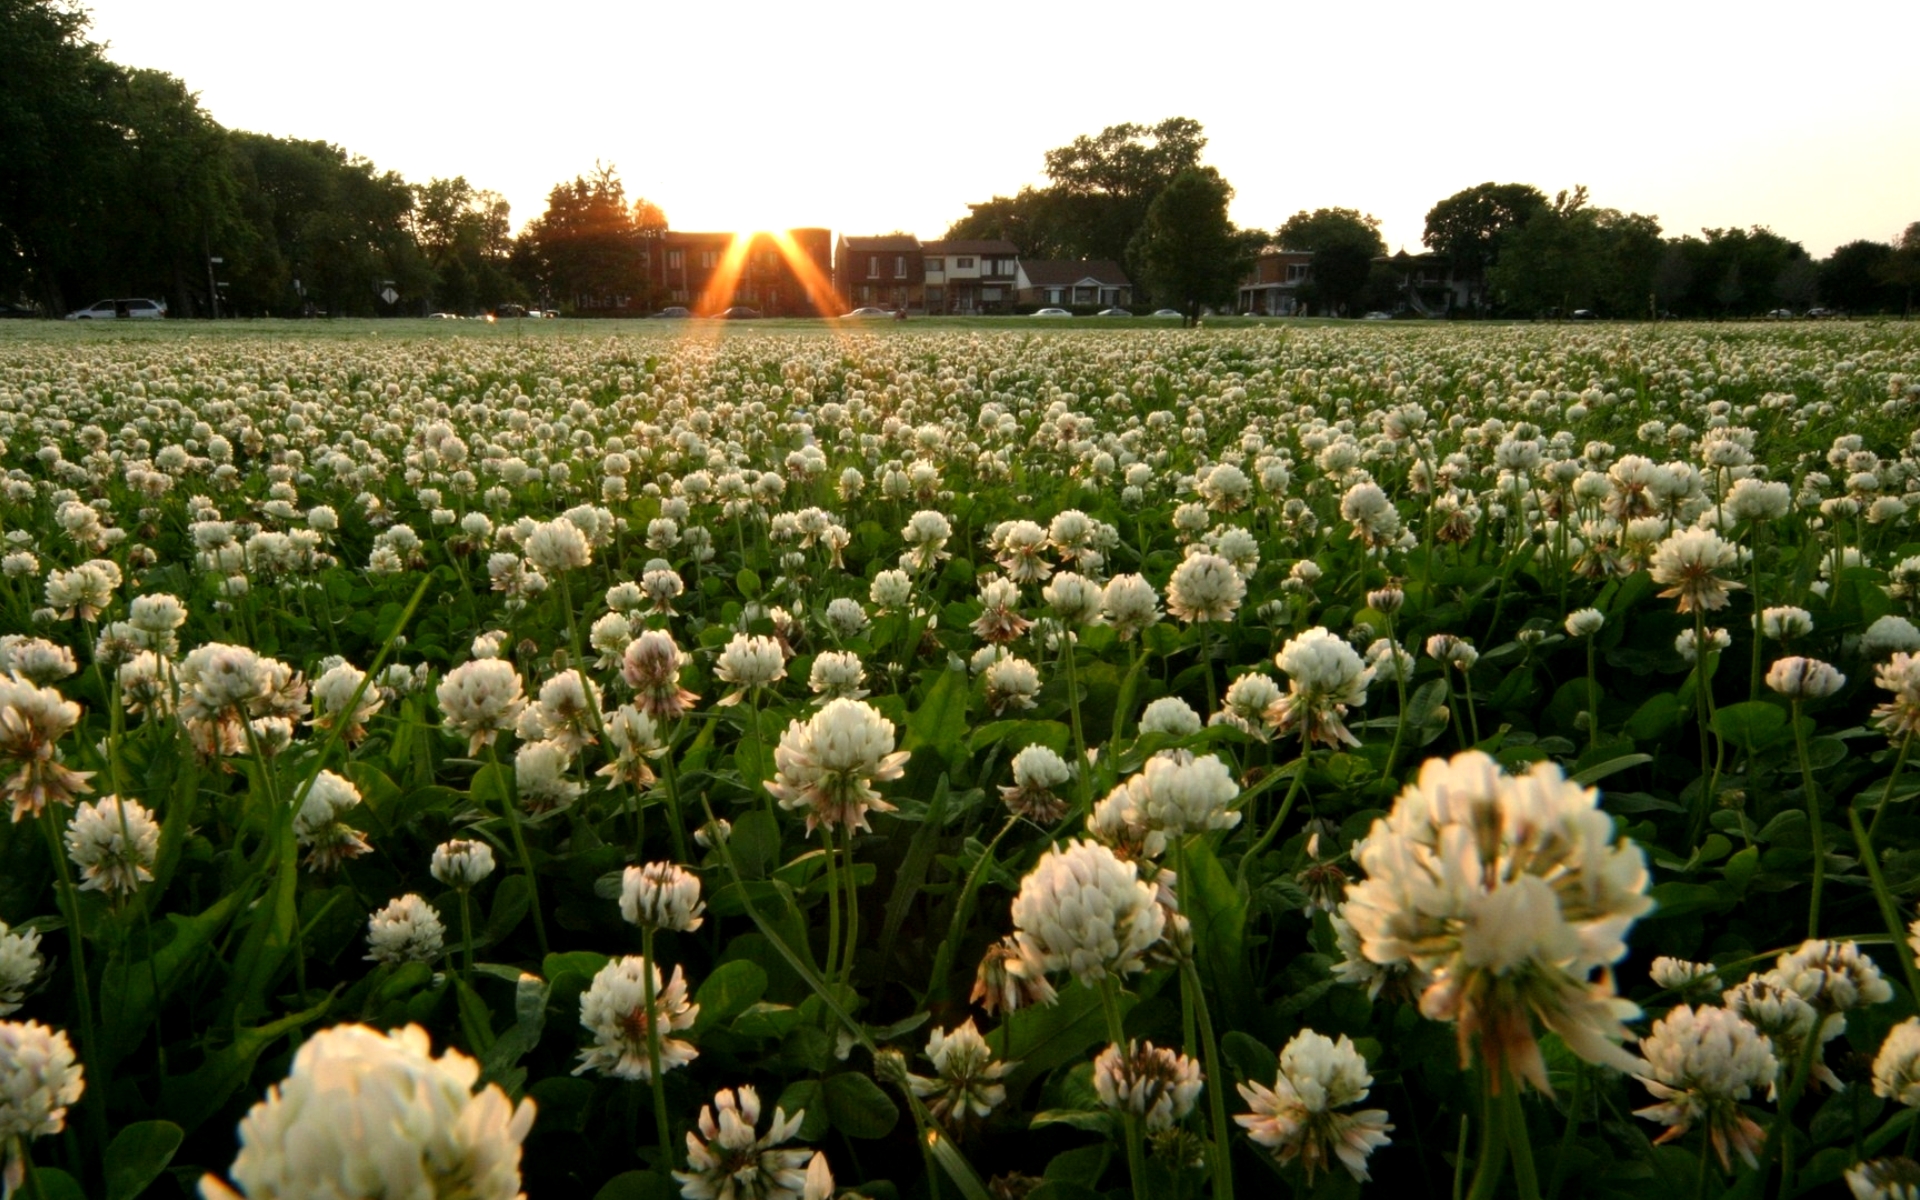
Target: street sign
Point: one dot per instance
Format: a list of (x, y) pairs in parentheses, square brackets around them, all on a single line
[(389, 295)]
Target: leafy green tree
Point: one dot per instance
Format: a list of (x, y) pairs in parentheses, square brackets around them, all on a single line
[(1468, 227), (1854, 278), (1570, 255), (58, 148), (1033, 220), (1188, 250), (589, 246), (1344, 244), (1902, 270), (464, 233)]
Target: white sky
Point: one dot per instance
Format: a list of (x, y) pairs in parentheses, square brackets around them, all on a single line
[(866, 116)]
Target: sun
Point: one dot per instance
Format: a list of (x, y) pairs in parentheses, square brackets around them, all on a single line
[(721, 287)]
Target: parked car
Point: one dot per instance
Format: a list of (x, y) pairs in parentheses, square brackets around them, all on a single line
[(675, 313), (1115, 312), (1378, 316), (14, 312), (108, 310), (870, 313), (443, 316), (738, 312), (1168, 312), (1052, 312), (509, 310), (1585, 314), (1781, 314), (1821, 314)]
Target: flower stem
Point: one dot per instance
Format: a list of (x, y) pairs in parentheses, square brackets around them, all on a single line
[(1593, 696), (1889, 909), (1813, 824), (1280, 818), (1221, 1157), (654, 1078), (1073, 710), (671, 774), (1567, 1135), (1515, 1118), (1886, 793), (1136, 1147), (832, 969), (82, 985), (1783, 1118), (853, 910), (512, 804), (466, 932), (1492, 1160)]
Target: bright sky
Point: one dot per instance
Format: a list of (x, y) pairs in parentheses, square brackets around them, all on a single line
[(867, 117)]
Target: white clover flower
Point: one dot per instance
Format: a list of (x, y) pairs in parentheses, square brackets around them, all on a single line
[(1075, 599), (20, 963), (1885, 1179), (1324, 677), (556, 546), (1355, 969), (1130, 605), (540, 776), (1170, 715), (1205, 587), (1507, 893), (1785, 621), (614, 1009), (727, 1160), (36, 660), (845, 617), (1832, 976), (1585, 622), (837, 674), (333, 691), (1717, 640), (609, 636), (1037, 771), (651, 667), (890, 590), (1751, 499), (39, 1081), (1701, 1063), (1799, 678), (1890, 634), (661, 895), (750, 661), (1689, 562), (1687, 978), (568, 710), (366, 1114), (1896, 1068), (32, 722), (114, 842), (966, 1083), (462, 863), (1375, 521), (1298, 1116), (406, 930), (827, 765), (1011, 683), (481, 699), (1159, 1086), (1083, 910), (1176, 793)]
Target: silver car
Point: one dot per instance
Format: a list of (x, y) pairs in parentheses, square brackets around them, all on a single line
[(108, 310)]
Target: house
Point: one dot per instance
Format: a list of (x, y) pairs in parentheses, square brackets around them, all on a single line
[(1428, 284), (970, 275), (1272, 287), (1093, 283), (884, 271)]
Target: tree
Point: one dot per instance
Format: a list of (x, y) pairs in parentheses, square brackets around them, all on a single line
[(463, 231), (1189, 252), (1854, 278), (57, 148), (589, 247), (1344, 244), (1469, 226), (1098, 193), (1902, 270)]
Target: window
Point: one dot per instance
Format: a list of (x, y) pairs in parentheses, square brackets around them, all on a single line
[(1296, 272), (1053, 295), (936, 265), (899, 266), (963, 264), (709, 259), (999, 266), (873, 266), (676, 260)]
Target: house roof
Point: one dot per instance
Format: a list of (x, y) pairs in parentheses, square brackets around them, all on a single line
[(1058, 273), (884, 241), (981, 246)]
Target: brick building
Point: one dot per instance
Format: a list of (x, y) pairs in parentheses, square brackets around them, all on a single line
[(887, 271)]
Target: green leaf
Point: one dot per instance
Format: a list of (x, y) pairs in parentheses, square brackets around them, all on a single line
[(1752, 725), (638, 1185), (1249, 1058), (511, 900), (857, 1107), (755, 842), (1219, 916), (939, 723), (747, 582), (730, 989), (1612, 766), (1082, 1166), (1684, 899), (803, 1096), (138, 1155), (581, 962), (1056, 1034), (1658, 716), (127, 1000), (1741, 867), (192, 1098), (55, 1184)]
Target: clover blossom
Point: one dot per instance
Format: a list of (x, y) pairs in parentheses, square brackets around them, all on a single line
[(1298, 1116)]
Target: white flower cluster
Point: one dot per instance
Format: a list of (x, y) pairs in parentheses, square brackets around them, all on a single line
[(114, 842), (615, 1010), (1083, 910), (1300, 1115)]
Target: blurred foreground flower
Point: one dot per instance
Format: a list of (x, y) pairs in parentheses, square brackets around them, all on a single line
[(1508, 892), (366, 1114)]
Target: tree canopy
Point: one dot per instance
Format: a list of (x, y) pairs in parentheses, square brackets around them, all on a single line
[(1344, 243), (1188, 250)]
